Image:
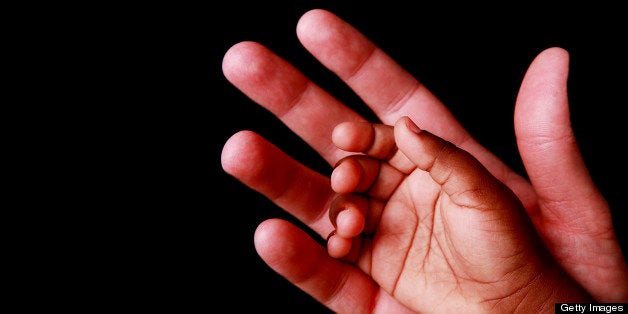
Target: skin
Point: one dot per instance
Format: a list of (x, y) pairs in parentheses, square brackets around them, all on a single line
[(559, 194), (434, 228)]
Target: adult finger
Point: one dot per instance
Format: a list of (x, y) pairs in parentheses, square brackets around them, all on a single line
[(572, 216), (294, 187), (381, 82), (340, 286), (279, 87), (390, 91)]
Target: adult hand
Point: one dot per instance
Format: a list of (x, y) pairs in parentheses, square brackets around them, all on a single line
[(589, 253)]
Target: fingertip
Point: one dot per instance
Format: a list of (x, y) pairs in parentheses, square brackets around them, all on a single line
[(405, 131), (340, 135), (399, 124), (445, 162), (243, 60), (310, 20), (234, 54), (350, 222), (313, 14), (542, 105), (285, 247), (401, 119), (407, 124), (263, 232), (353, 136), (338, 247), (555, 53), (240, 146), (346, 176), (265, 240)]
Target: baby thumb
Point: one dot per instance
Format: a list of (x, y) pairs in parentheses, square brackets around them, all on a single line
[(456, 170)]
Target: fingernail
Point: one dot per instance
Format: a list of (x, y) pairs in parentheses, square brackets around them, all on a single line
[(413, 127), (331, 234)]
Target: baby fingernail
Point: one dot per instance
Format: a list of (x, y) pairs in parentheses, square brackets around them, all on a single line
[(331, 234), (412, 126)]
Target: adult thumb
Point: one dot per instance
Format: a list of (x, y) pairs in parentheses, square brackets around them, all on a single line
[(572, 216)]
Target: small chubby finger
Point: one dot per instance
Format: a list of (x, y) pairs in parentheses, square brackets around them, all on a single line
[(338, 246), (347, 249), (350, 222), (372, 139), (354, 174), (347, 214), (370, 210), (375, 140), (362, 174)]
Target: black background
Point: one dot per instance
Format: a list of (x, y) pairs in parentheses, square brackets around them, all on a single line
[(172, 230)]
